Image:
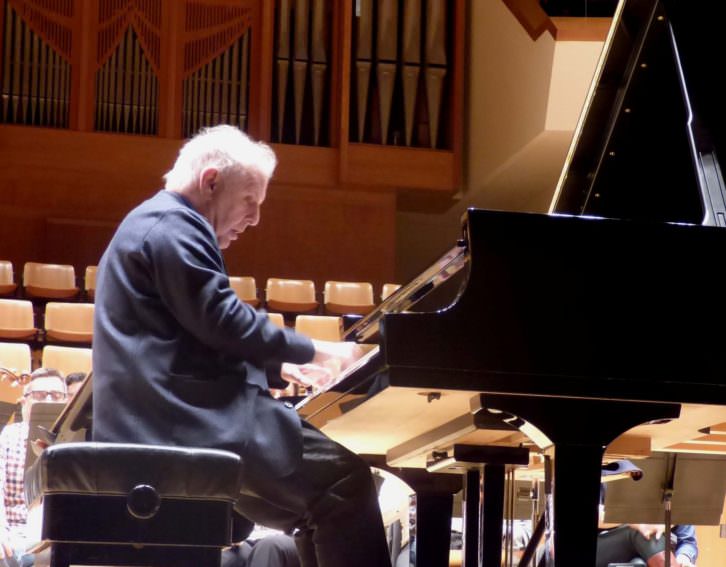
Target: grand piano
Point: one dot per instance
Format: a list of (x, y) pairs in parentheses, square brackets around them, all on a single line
[(566, 330)]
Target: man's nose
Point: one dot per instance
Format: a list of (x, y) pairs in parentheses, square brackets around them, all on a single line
[(255, 218)]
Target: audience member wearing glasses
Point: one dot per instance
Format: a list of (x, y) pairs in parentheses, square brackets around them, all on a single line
[(45, 385)]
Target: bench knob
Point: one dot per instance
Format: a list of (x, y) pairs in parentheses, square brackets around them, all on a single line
[(143, 502)]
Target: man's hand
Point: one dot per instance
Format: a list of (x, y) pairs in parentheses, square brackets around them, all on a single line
[(307, 374), (345, 353), (649, 530), (684, 561)]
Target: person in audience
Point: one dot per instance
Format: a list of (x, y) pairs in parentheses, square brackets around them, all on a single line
[(642, 542), (45, 384), (649, 543), (73, 383), (179, 360), (276, 550)]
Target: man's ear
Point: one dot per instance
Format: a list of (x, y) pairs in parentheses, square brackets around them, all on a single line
[(208, 180)]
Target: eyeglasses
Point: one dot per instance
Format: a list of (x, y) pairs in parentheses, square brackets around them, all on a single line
[(42, 396)]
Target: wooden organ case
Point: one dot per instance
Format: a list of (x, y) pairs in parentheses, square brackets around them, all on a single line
[(360, 99)]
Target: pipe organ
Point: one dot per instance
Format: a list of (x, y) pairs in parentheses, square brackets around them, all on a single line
[(366, 79), (36, 69), (302, 71), (216, 66), (399, 72), (127, 90)]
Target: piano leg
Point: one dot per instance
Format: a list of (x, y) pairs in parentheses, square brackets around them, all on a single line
[(484, 499), (483, 516), (579, 429), (431, 526)]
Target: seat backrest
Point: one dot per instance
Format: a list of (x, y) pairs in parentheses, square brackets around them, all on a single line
[(89, 281), (16, 319), (67, 359), (49, 280), (246, 289), (15, 357), (322, 327), (348, 297), (388, 289), (289, 295), (6, 272), (7, 279), (277, 319), (69, 321)]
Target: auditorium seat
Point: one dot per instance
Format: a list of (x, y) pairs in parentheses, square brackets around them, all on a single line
[(89, 282), (67, 359), (246, 289), (277, 319), (388, 289), (322, 327), (16, 358), (49, 281), (7, 279), (16, 319), (344, 298), (69, 322), (290, 296)]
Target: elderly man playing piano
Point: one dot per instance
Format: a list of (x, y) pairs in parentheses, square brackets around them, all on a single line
[(179, 360)]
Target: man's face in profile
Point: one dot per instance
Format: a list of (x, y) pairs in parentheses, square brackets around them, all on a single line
[(235, 204)]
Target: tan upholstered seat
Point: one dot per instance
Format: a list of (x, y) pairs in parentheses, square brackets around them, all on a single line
[(50, 281), (16, 319), (277, 319), (246, 289), (388, 289), (323, 327), (67, 359), (7, 279), (290, 296), (72, 322), (344, 298), (15, 357), (89, 282)]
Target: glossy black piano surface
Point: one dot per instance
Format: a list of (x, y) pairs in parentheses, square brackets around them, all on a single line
[(609, 307), (556, 305)]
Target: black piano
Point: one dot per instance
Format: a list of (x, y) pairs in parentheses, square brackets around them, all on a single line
[(580, 324)]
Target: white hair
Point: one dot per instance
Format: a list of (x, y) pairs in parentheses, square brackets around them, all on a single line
[(223, 147)]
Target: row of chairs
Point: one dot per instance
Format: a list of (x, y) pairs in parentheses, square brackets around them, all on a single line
[(17, 355), (300, 296), (73, 322), (58, 321), (47, 281), (58, 281)]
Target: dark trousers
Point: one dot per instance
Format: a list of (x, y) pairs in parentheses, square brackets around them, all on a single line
[(270, 551), (331, 502), (623, 544)]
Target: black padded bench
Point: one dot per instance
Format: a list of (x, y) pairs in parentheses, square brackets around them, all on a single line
[(123, 504)]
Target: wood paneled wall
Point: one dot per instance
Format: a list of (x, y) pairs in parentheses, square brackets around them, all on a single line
[(138, 75), (62, 194)]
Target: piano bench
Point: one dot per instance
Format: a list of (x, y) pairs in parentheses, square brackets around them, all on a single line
[(125, 504)]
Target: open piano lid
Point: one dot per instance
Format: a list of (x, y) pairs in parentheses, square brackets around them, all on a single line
[(653, 124)]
